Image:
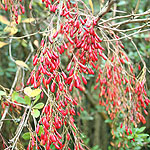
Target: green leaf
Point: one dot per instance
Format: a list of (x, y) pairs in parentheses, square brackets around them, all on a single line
[(148, 139), (26, 136), (37, 98), (35, 113), (130, 137), (27, 100), (137, 148), (108, 121), (20, 100), (141, 129), (143, 135), (2, 93), (14, 95), (39, 106), (41, 130), (11, 69)]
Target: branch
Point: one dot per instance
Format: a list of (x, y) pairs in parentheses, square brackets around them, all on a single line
[(11, 91), (126, 16), (20, 127), (137, 6), (106, 9), (131, 21)]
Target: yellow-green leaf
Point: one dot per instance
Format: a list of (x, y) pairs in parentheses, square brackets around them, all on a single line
[(35, 92), (32, 93), (28, 20), (4, 20), (26, 136), (91, 5), (39, 106), (2, 44), (35, 113), (28, 91), (36, 99), (11, 30), (22, 64), (27, 100)]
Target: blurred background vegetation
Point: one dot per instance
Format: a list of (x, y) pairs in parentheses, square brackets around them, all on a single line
[(94, 124)]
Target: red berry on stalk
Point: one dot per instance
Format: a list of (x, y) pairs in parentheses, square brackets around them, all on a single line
[(64, 75), (84, 80), (37, 129), (69, 66), (50, 40), (42, 43), (42, 95), (139, 67), (23, 10), (121, 125), (53, 85), (55, 34), (6, 8)]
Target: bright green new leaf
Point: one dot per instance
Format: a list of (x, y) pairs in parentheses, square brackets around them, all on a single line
[(26, 136), (141, 129), (36, 99), (14, 95), (27, 100), (35, 113), (41, 130), (39, 106)]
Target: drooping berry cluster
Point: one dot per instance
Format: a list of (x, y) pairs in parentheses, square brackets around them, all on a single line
[(16, 7), (121, 92), (77, 39)]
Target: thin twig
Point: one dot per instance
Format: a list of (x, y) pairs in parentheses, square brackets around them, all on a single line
[(106, 9), (123, 17), (131, 21), (137, 6), (10, 53)]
